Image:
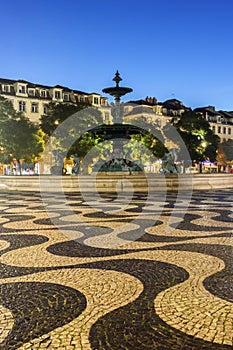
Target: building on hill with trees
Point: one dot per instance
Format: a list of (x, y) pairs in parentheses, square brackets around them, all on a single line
[(159, 113), (221, 122)]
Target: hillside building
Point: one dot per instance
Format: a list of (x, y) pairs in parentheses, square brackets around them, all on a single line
[(221, 122)]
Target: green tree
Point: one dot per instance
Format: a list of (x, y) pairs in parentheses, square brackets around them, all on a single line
[(225, 151), (151, 138), (19, 137), (6, 110), (145, 147), (57, 113), (199, 139), (71, 142), (86, 119)]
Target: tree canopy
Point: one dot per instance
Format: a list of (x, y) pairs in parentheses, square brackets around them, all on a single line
[(58, 113), (197, 135), (69, 141), (19, 137), (225, 152), (6, 110), (153, 141)]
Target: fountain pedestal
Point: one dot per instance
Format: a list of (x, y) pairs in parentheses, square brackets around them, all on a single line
[(118, 133)]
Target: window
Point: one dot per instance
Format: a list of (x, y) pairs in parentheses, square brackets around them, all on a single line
[(22, 89), (45, 109), (42, 93), (106, 116), (22, 106), (6, 88), (31, 92), (66, 97), (57, 95), (96, 100), (219, 129), (224, 130), (34, 107), (213, 128), (229, 131)]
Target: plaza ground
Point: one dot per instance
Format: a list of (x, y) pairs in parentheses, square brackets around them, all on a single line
[(111, 273)]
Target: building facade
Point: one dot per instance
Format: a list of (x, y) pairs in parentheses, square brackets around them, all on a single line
[(221, 122), (33, 99)]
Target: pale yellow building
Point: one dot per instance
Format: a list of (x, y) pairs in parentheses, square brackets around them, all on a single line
[(33, 99)]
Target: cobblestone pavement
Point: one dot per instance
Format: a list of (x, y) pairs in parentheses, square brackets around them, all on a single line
[(167, 283)]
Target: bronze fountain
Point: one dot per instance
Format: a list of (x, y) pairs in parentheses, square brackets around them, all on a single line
[(118, 132)]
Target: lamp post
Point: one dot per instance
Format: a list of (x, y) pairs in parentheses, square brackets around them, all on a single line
[(2, 150)]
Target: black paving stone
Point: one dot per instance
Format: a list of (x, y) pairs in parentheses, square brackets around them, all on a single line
[(38, 308)]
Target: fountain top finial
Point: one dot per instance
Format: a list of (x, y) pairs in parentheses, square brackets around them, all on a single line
[(117, 91), (117, 78)]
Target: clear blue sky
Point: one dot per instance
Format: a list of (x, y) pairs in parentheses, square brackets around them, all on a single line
[(168, 49)]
